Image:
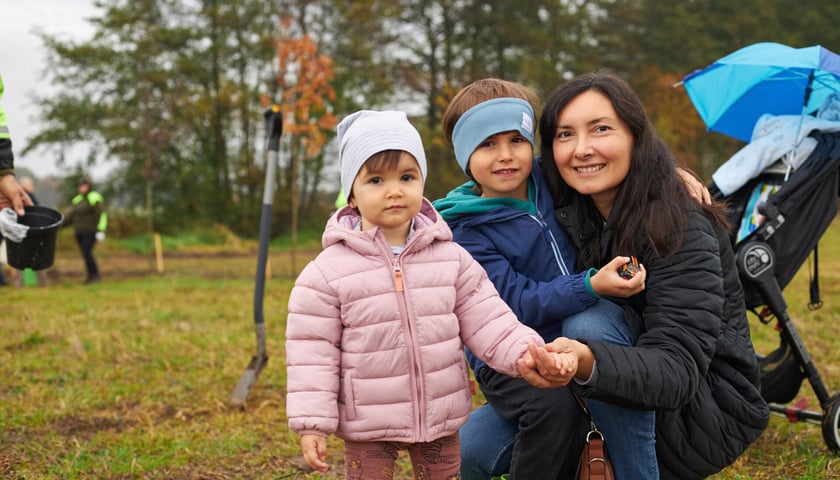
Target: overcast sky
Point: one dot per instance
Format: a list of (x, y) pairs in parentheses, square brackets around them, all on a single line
[(22, 63)]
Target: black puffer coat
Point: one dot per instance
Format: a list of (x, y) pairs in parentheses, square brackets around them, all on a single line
[(693, 361)]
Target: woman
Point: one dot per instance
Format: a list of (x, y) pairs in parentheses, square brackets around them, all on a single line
[(693, 362)]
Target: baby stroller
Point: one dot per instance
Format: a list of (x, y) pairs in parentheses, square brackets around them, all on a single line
[(782, 216)]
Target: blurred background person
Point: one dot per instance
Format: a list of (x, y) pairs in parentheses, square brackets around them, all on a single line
[(89, 220)]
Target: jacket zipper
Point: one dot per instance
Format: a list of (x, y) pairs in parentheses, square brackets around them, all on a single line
[(549, 237), (416, 374), (398, 278), (415, 366)]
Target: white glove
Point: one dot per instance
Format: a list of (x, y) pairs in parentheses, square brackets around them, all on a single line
[(9, 226), (100, 236)]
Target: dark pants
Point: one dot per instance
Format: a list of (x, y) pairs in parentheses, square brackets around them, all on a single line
[(552, 426), (86, 241)]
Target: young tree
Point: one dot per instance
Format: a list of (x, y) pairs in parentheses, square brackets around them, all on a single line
[(306, 104)]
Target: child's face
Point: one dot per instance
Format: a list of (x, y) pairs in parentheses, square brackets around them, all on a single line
[(593, 148), (389, 199), (501, 165)]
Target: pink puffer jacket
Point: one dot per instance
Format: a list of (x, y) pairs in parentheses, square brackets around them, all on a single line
[(374, 341)]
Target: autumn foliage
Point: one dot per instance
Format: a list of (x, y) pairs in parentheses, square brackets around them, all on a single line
[(304, 83)]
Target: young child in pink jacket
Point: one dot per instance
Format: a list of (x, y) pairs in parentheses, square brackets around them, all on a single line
[(377, 321)]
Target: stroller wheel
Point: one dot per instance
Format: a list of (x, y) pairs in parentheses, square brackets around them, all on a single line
[(781, 376), (831, 424)]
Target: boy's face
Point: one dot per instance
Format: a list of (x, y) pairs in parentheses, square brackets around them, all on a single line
[(389, 199), (501, 165)]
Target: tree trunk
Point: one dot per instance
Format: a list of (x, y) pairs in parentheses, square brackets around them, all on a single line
[(295, 201)]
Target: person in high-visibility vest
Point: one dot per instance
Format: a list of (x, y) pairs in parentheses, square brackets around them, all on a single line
[(11, 193), (341, 199), (89, 220)]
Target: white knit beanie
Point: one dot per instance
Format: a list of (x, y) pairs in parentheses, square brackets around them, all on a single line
[(366, 133)]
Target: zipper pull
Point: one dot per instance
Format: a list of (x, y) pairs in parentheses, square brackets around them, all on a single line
[(398, 278)]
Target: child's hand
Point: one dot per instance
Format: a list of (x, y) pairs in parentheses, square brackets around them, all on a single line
[(608, 282), (527, 361), (565, 358), (551, 366), (314, 448), (565, 364), (695, 187)]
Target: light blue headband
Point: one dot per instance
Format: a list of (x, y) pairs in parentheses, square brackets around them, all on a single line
[(489, 118)]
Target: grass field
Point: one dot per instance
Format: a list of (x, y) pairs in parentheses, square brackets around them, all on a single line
[(130, 378)]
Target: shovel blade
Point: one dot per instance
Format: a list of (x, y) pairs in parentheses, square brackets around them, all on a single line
[(247, 380)]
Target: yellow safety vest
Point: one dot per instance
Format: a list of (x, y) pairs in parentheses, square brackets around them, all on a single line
[(4, 129)]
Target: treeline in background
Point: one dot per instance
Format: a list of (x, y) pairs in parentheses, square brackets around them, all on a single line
[(172, 92)]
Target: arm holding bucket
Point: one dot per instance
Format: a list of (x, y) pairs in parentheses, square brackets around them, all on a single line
[(11, 193)]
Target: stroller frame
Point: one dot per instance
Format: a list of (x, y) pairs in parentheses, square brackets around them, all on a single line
[(767, 260)]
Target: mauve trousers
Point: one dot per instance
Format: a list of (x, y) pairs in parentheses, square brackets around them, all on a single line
[(436, 460)]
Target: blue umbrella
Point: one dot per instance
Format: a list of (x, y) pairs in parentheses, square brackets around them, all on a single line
[(765, 78)]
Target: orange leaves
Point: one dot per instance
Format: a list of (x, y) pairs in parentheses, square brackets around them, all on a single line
[(673, 116), (307, 94)]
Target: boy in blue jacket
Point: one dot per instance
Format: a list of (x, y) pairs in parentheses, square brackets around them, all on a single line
[(504, 216)]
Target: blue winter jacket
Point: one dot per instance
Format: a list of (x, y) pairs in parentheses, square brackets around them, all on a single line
[(526, 254)]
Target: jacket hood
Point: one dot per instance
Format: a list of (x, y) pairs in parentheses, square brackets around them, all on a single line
[(341, 228)]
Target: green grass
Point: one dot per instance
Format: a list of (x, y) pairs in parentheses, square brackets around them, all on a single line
[(130, 378)]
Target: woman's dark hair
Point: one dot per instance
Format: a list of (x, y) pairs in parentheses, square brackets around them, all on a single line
[(652, 195)]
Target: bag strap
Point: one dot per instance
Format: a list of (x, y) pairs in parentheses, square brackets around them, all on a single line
[(582, 405), (597, 455), (594, 461)]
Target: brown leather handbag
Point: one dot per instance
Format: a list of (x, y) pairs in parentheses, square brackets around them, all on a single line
[(594, 463)]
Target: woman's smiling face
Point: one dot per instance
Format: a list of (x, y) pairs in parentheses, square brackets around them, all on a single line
[(593, 148)]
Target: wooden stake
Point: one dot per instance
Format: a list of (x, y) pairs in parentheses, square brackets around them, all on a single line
[(158, 253)]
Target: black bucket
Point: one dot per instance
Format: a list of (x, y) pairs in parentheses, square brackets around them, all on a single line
[(37, 250)]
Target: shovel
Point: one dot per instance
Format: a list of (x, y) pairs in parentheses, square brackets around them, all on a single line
[(274, 129)]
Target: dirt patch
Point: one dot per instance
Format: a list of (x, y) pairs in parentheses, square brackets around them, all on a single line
[(87, 426), (8, 460), (122, 417)]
